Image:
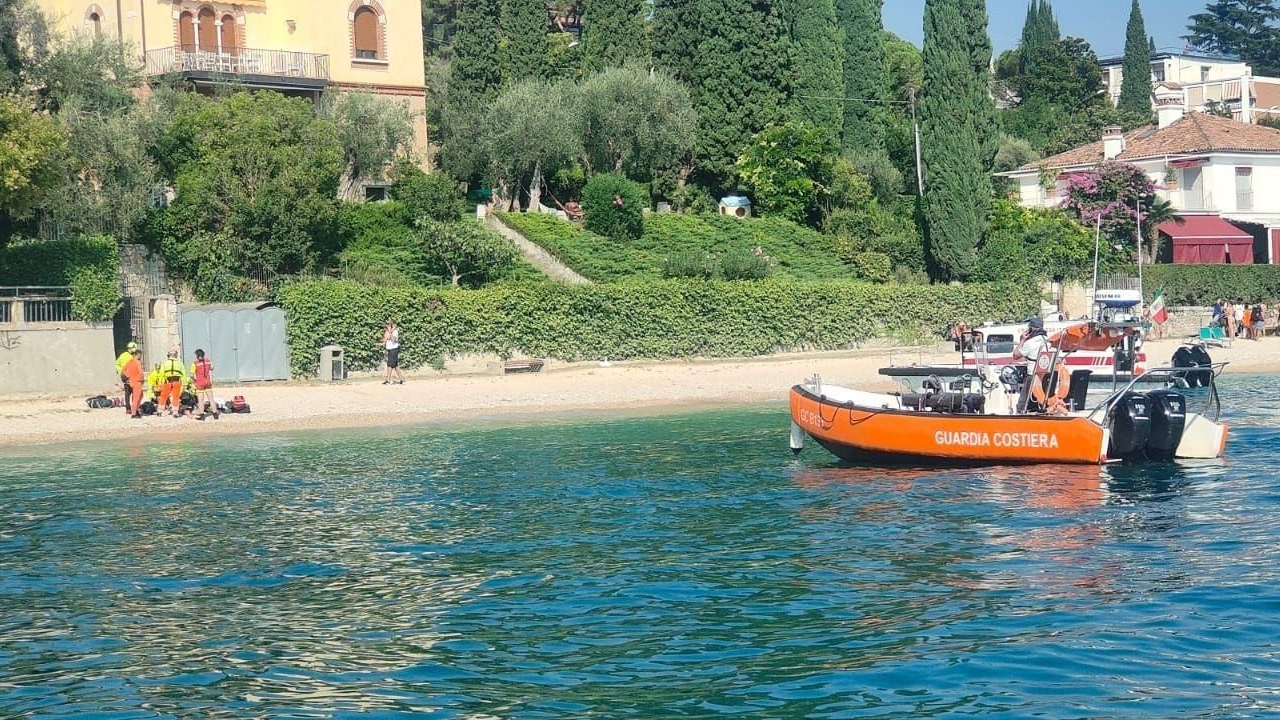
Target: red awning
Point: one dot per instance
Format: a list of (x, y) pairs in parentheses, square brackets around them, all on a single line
[(1208, 239)]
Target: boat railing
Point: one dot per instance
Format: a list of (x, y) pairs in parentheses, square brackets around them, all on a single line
[(1210, 405)]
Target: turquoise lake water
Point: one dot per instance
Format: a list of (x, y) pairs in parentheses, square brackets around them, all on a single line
[(649, 567)]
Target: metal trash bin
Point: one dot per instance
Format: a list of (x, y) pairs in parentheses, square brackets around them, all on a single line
[(332, 365)]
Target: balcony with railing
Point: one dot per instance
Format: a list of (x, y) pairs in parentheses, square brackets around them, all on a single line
[(277, 69)]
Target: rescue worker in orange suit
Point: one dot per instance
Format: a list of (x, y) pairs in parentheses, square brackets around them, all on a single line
[(121, 361), (172, 375), (132, 374)]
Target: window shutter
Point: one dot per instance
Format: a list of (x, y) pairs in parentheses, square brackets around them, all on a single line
[(366, 33)]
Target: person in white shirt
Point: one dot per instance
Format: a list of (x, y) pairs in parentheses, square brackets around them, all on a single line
[(391, 341), (1032, 344)]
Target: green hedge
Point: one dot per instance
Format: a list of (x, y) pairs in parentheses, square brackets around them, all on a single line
[(657, 319), (89, 265), (1203, 284)]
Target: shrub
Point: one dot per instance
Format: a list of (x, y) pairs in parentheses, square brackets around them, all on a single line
[(431, 195), (95, 294), (89, 265), (872, 266), (739, 264), (380, 223), (1203, 284), (688, 264), (614, 206)]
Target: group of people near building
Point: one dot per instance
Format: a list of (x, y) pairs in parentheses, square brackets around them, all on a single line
[(1241, 319), (170, 388)]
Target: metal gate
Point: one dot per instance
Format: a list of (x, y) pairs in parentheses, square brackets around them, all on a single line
[(246, 341)]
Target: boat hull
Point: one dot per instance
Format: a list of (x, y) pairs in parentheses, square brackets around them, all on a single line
[(857, 433)]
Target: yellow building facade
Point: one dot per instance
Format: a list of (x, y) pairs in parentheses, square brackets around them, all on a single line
[(298, 47)]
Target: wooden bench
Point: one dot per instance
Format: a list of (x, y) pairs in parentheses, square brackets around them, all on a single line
[(521, 366)]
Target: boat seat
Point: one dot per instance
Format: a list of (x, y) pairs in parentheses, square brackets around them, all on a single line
[(950, 402), (1078, 389)]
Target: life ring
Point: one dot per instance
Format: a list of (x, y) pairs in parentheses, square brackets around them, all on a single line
[(1052, 403)]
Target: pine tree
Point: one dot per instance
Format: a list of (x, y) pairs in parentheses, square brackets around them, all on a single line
[(956, 110), (614, 33), (1048, 23), (1135, 86), (817, 69), (865, 73), (1246, 28), (524, 25)]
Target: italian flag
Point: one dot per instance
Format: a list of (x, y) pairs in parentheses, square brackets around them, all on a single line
[(1159, 314)]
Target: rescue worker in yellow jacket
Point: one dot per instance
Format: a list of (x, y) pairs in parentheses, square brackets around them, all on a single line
[(155, 383), (172, 375), (121, 361)]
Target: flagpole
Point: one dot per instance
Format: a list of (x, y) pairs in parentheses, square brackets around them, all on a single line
[(1141, 299), (1097, 246)]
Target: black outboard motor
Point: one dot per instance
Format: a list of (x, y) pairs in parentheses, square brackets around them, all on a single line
[(1192, 356), (1168, 419), (1130, 426), (1201, 357)]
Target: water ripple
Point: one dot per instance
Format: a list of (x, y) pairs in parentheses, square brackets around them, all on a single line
[(681, 566)]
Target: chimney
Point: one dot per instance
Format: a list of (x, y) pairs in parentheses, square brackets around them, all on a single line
[(1170, 105), (1112, 142)]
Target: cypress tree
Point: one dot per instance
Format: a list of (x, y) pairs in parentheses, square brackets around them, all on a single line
[(865, 73), (817, 68), (614, 33), (986, 123), (524, 25), (956, 109), (473, 72), (676, 34), (1135, 85), (1040, 29), (727, 52), (1048, 23)]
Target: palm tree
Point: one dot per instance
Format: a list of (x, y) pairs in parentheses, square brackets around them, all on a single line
[(1154, 211)]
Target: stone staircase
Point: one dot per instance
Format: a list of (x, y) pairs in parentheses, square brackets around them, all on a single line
[(539, 258)]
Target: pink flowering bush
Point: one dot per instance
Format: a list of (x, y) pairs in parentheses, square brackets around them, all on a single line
[(1121, 195)]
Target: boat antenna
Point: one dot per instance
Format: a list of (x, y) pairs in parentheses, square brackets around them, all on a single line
[(1097, 243)]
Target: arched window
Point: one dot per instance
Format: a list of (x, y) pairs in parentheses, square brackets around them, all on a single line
[(365, 33), (95, 24), (187, 32), (228, 36), (207, 31)]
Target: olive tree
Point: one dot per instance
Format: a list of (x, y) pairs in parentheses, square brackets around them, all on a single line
[(373, 132), (635, 122), (528, 133)]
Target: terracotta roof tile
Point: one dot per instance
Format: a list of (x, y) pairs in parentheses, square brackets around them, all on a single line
[(1194, 133)]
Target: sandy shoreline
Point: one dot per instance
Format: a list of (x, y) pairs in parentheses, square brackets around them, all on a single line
[(589, 388)]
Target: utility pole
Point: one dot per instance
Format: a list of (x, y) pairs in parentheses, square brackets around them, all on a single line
[(915, 124)]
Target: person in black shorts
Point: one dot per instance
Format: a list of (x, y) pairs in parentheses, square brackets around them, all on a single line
[(391, 341)]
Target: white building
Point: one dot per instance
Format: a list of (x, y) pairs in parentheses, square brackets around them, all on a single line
[(1203, 80), (1213, 170)]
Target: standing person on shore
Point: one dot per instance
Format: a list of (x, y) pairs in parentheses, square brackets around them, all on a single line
[(131, 373), (121, 361), (391, 341), (202, 373)]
